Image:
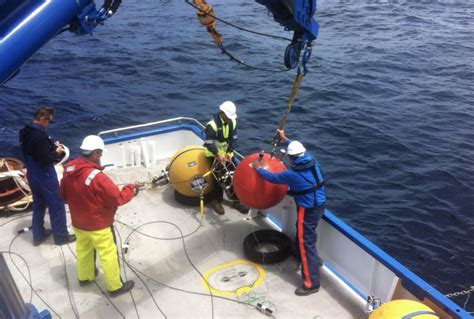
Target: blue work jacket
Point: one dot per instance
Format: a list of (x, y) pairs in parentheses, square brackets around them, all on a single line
[(300, 177), (38, 150)]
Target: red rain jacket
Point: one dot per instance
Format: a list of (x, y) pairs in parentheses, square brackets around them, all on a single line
[(92, 197)]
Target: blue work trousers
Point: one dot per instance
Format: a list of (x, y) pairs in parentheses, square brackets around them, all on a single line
[(45, 190), (306, 224)]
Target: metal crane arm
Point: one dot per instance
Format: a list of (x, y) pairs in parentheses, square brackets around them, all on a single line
[(297, 16), (25, 26)]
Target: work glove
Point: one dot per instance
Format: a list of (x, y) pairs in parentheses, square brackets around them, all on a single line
[(136, 188)]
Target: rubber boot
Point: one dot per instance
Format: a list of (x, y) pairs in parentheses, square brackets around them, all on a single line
[(240, 207), (47, 233), (302, 291), (218, 208), (127, 286)]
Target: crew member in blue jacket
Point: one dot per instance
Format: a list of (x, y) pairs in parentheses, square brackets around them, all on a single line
[(306, 185), (40, 153)]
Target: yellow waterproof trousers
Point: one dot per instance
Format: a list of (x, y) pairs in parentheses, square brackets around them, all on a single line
[(102, 241)]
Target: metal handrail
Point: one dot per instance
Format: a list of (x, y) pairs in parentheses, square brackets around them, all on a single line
[(11, 302), (127, 128)]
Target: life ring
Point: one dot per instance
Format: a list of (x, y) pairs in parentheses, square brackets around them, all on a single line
[(267, 246)]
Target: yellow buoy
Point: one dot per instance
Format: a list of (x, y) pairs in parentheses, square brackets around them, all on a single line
[(403, 309), (190, 171)]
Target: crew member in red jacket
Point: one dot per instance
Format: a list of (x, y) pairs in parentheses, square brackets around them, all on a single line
[(93, 200)]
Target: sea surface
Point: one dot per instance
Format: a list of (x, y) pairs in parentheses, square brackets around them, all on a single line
[(387, 106)]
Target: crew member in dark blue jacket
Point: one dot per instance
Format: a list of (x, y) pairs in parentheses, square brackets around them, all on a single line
[(306, 185), (40, 154)]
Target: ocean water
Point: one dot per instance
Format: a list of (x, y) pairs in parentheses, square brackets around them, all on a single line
[(387, 107)]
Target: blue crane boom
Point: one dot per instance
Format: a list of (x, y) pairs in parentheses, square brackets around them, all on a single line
[(297, 16), (27, 25)]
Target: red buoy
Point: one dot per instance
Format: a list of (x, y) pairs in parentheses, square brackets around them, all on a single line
[(254, 191)]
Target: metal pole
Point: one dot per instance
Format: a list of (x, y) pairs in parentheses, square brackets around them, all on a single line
[(12, 305)]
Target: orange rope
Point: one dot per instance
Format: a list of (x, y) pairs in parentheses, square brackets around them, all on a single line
[(206, 17)]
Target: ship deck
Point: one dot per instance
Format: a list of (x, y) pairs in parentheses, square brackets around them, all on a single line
[(167, 269)]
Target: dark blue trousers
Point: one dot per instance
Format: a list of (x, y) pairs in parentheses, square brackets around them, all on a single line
[(306, 223), (45, 190)]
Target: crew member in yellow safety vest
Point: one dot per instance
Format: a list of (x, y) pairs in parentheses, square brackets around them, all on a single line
[(221, 134)]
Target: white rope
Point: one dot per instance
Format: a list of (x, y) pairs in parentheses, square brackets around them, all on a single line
[(20, 181)]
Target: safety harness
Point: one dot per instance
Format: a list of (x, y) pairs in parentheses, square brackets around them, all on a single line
[(222, 141), (219, 128), (313, 188)]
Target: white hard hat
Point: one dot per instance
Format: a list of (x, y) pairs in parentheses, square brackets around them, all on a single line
[(295, 148), (92, 143), (229, 110)]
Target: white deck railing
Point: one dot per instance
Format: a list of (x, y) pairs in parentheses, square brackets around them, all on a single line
[(138, 126)]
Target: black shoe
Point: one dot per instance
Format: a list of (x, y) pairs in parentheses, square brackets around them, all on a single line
[(320, 264), (126, 287), (69, 239), (240, 207), (47, 233), (302, 291), (218, 208), (83, 283)]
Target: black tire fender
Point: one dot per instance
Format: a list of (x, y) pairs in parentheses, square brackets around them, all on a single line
[(267, 246)]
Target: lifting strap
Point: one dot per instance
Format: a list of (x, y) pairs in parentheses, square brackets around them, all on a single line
[(291, 99)]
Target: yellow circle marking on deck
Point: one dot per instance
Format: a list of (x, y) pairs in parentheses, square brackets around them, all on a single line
[(239, 290)]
